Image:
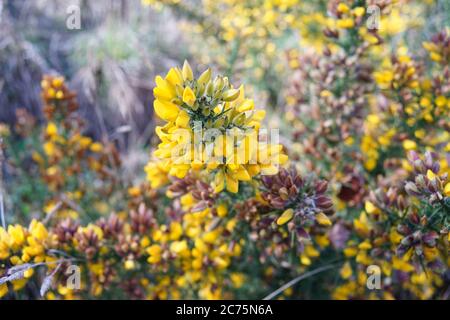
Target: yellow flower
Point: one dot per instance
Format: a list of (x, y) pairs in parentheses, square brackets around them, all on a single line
[(176, 230), (285, 217), (187, 73), (17, 235), (188, 96), (350, 252), (215, 104), (179, 247), (365, 245), (370, 208), (237, 279), (370, 164), (346, 271), (134, 191), (129, 265), (362, 225), (157, 174), (312, 252), (38, 230), (441, 101), (401, 264), (342, 8), (363, 258), (345, 23), (359, 11), (3, 290), (182, 119), (305, 260), (447, 189), (174, 77), (394, 236), (57, 82), (166, 110), (96, 147), (52, 129), (409, 145), (154, 253), (322, 219), (222, 210), (430, 175), (49, 149)]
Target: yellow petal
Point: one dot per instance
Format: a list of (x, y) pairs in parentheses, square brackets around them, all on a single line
[(182, 119), (174, 77), (219, 182), (269, 170), (409, 145), (346, 271), (282, 158), (230, 95), (253, 169), (222, 210), (188, 96), (166, 110), (242, 174), (187, 72), (322, 219), (52, 129), (370, 207), (259, 115), (232, 184), (430, 174), (285, 217), (447, 189), (163, 90), (246, 106), (204, 77)]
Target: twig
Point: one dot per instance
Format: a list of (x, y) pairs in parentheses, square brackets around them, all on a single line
[(52, 212), (299, 278)]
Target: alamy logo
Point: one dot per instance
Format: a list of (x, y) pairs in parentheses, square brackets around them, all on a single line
[(374, 277), (373, 21), (74, 277), (73, 20)]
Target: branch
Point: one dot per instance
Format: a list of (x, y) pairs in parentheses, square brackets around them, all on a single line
[(298, 279)]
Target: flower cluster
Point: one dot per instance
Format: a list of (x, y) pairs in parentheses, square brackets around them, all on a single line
[(69, 159), (23, 249), (300, 200), (366, 110), (407, 239), (223, 121)]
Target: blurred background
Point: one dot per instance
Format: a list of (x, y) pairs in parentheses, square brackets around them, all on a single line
[(110, 62)]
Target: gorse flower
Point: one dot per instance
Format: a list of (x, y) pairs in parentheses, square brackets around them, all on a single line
[(428, 183), (302, 201), (213, 126), (23, 248), (68, 156), (439, 47), (288, 189), (422, 229)]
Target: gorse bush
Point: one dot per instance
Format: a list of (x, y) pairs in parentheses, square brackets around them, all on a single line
[(354, 195)]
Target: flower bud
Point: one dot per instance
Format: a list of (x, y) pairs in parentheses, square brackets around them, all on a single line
[(412, 189)]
